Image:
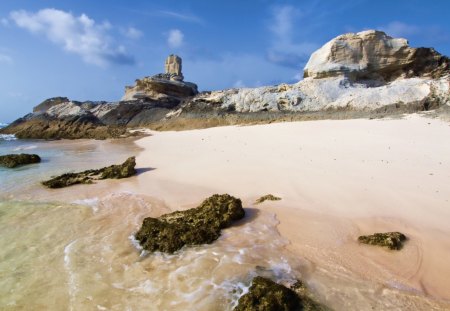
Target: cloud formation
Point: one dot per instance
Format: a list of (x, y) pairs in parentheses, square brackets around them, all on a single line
[(398, 29), (79, 35), (182, 16), (284, 51), (175, 38), (132, 33)]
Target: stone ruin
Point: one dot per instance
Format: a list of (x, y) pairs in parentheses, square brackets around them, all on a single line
[(172, 69), (162, 85)]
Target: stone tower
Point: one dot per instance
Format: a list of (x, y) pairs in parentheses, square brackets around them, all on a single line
[(173, 67)]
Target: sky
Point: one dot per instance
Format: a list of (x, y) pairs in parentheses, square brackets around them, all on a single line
[(90, 50)]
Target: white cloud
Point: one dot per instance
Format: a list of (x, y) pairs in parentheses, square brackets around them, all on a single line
[(182, 16), (80, 35), (175, 38), (132, 33), (283, 50), (5, 59), (399, 29), (4, 22)]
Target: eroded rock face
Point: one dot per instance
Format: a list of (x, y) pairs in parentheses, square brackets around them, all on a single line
[(373, 55), (14, 160), (48, 103), (124, 170), (391, 240), (173, 67), (196, 226)]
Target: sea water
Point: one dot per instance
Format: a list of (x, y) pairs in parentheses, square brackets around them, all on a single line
[(80, 254)]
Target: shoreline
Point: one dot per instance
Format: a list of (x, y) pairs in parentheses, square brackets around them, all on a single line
[(333, 188)]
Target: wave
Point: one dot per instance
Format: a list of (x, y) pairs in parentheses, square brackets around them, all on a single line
[(7, 137)]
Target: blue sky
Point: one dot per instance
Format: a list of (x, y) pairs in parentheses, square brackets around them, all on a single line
[(89, 50)]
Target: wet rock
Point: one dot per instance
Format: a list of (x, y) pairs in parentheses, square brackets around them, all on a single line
[(124, 170), (266, 295), (268, 197), (196, 226), (391, 240), (14, 160)]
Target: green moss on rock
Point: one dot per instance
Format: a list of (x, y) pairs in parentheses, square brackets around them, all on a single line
[(196, 226), (123, 170), (391, 240), (14, 160), (268, 197)]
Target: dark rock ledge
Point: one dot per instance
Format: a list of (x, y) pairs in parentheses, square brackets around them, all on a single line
[(14, 160), (123, 170)]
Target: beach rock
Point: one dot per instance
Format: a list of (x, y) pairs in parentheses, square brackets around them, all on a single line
[(196, 226), (268, 197), (14, 160), (266, 295), (124, 170), (391, 240), (373, 55)]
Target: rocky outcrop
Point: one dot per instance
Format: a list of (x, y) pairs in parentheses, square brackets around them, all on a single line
[(265, 294), (367, 74), (373, 55), (163, 86), (200, 225), (391, 240), (14, 160), (48, 103), (124, 170)]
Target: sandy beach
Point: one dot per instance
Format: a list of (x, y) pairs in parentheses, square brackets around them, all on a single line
[(337, 180)]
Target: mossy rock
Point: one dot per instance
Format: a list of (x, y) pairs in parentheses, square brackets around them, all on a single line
[(391, 240), (123, 170), (267, 295), (14, 160), (268, 197), (196, 226)]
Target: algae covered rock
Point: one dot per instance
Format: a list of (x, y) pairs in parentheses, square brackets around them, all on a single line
[(266, 295), (200, 225), (391, 240), (268, 197), (14, 160), (123, 170)]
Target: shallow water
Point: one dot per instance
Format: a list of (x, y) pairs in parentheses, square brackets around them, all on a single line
[(58, 254)]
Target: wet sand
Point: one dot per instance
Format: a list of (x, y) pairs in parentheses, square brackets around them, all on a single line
[(337, 180)]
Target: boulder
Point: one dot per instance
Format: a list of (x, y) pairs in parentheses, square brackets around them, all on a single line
[(157, 88), (391, 240), (124, 170), (196, 226), (267, 295), (14, 160), (373, 55)]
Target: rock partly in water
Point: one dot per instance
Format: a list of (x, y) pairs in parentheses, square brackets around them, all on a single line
[(391, 240), (268, 197), (14, 160), (196, 226), (373, 55), (266, 295), (124, 170)]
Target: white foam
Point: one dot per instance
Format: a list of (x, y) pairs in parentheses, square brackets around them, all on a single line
[(25, 147), (91, 202), (73, 288), (8, 137)]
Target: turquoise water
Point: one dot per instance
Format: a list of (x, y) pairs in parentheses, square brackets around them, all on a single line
[(57, 157)]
